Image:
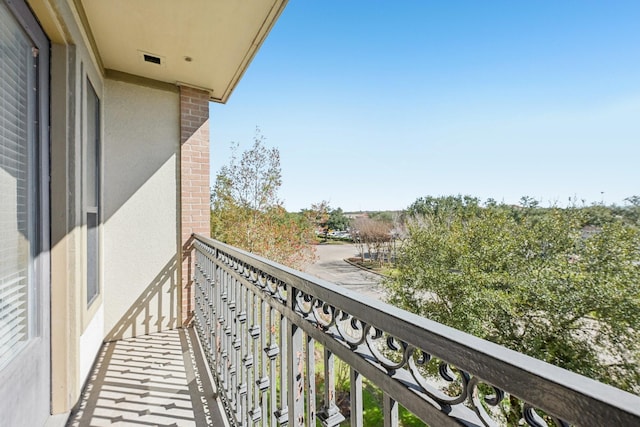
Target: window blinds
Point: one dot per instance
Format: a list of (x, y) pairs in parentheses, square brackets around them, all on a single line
[(16, 105)]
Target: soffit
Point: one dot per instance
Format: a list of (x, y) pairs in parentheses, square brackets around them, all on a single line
[(220, 37)]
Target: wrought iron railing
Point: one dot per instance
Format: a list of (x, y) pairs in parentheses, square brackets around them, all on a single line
[(272, 336)]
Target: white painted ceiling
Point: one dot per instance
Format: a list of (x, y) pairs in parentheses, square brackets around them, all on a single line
[(201, 43)]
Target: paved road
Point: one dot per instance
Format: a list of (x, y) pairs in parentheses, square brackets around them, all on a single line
[(330, 265)]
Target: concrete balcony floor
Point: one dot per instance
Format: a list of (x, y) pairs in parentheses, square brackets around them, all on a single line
[(152, 380)]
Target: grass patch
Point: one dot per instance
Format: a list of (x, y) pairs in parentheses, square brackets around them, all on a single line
[(332, 241), (374, 266), (372, 403), (389, 271), (372, 409)]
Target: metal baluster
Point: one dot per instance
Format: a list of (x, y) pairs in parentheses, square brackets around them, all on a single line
[(283, 411), (225, 330), (330, 414), (197, 289), (272, 352), (248, 356), (264, 382), (254, 334), (236, 305), (355, 397), (214, 291), (311, 380), (229, 332), (242, 343), (209, 318), (201, 296), (390, 409), (219, 339), (295, 370)]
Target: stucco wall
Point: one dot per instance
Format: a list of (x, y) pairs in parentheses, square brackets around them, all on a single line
[(90, 342), (140, 236)]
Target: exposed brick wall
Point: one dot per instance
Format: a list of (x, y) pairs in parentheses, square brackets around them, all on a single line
[(194, 181)]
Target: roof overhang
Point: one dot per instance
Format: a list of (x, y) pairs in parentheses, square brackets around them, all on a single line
[(206, 44)]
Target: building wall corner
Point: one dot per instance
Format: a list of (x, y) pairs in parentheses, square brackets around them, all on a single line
[(195, 211)]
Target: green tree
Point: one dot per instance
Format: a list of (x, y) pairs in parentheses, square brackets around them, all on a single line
[(381, 216), (631, 213), (533, 282), (442, 208), (318, 216), (246, 211), (634, 200), (338, 220)]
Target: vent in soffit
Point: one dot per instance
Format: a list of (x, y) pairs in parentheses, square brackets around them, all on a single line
[(151, 58)]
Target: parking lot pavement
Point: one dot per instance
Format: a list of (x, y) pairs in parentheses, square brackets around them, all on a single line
[(330, 266)]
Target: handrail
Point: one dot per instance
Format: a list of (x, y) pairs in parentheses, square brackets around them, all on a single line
[(259, 321)]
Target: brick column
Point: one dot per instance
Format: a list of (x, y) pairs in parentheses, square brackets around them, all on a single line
[(194, 182)]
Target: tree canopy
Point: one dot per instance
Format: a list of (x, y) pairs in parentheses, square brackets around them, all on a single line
[(246, 211), (338, 220), (540, 281)]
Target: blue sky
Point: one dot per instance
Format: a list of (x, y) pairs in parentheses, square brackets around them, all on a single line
[(373, 104)]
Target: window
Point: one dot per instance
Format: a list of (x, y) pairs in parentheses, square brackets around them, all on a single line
[(92, 191), (18, 187)]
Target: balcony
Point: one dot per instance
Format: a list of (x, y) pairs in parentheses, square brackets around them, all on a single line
[(285, 348)]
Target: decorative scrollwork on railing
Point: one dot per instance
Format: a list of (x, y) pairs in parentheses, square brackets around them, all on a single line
[(429, 372), (272, 286), (304, 303), (261, 281), (324, 314), (438, 380), (281, 291), (486, 404), (351, 329), (391, 353), (533, 419)]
